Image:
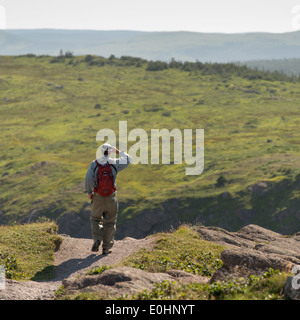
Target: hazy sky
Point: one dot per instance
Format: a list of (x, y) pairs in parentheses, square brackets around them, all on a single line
[(153, 15)]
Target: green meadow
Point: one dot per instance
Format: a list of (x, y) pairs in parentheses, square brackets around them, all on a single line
[(52, 108)]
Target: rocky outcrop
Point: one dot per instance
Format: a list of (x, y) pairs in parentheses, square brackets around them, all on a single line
[(121, 281), (252, 251)]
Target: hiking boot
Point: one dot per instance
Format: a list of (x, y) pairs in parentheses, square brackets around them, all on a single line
[(106, 251), (96, 245)]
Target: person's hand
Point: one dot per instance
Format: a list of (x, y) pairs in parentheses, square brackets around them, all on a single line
[(114, 149), (91, 196)]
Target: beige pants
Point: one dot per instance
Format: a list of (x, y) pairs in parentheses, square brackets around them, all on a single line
[(103, 219)]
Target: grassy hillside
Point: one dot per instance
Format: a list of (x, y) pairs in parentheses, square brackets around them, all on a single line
[(27, 251), (52, 108)]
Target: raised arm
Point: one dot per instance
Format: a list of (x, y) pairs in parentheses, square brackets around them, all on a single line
[(123, 161)]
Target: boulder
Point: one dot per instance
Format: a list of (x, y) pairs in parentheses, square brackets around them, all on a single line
[(116, 282), (252, 250), (121, 281), (259, 189), (255, 262)]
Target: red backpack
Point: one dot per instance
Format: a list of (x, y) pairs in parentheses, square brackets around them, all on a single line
[(106, 184)]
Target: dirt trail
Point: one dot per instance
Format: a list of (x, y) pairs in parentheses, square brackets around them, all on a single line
[(74, 257)]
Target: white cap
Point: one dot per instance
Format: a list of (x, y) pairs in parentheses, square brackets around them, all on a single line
[(106, 147)]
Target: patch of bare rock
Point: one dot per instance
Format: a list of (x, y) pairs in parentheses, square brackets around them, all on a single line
[(122, 281), (253, 250)]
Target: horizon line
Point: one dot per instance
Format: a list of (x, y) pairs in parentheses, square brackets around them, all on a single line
[(149, 31)]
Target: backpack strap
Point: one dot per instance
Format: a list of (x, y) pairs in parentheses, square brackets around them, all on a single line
[(97, 164), (114, 168)]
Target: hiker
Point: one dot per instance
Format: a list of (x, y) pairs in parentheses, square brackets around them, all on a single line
[(100, 184)]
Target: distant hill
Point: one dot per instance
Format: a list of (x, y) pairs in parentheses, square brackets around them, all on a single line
[(287, 66), (183, 46)]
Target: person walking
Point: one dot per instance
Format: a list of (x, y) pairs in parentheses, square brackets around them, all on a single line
[(100, 184)]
